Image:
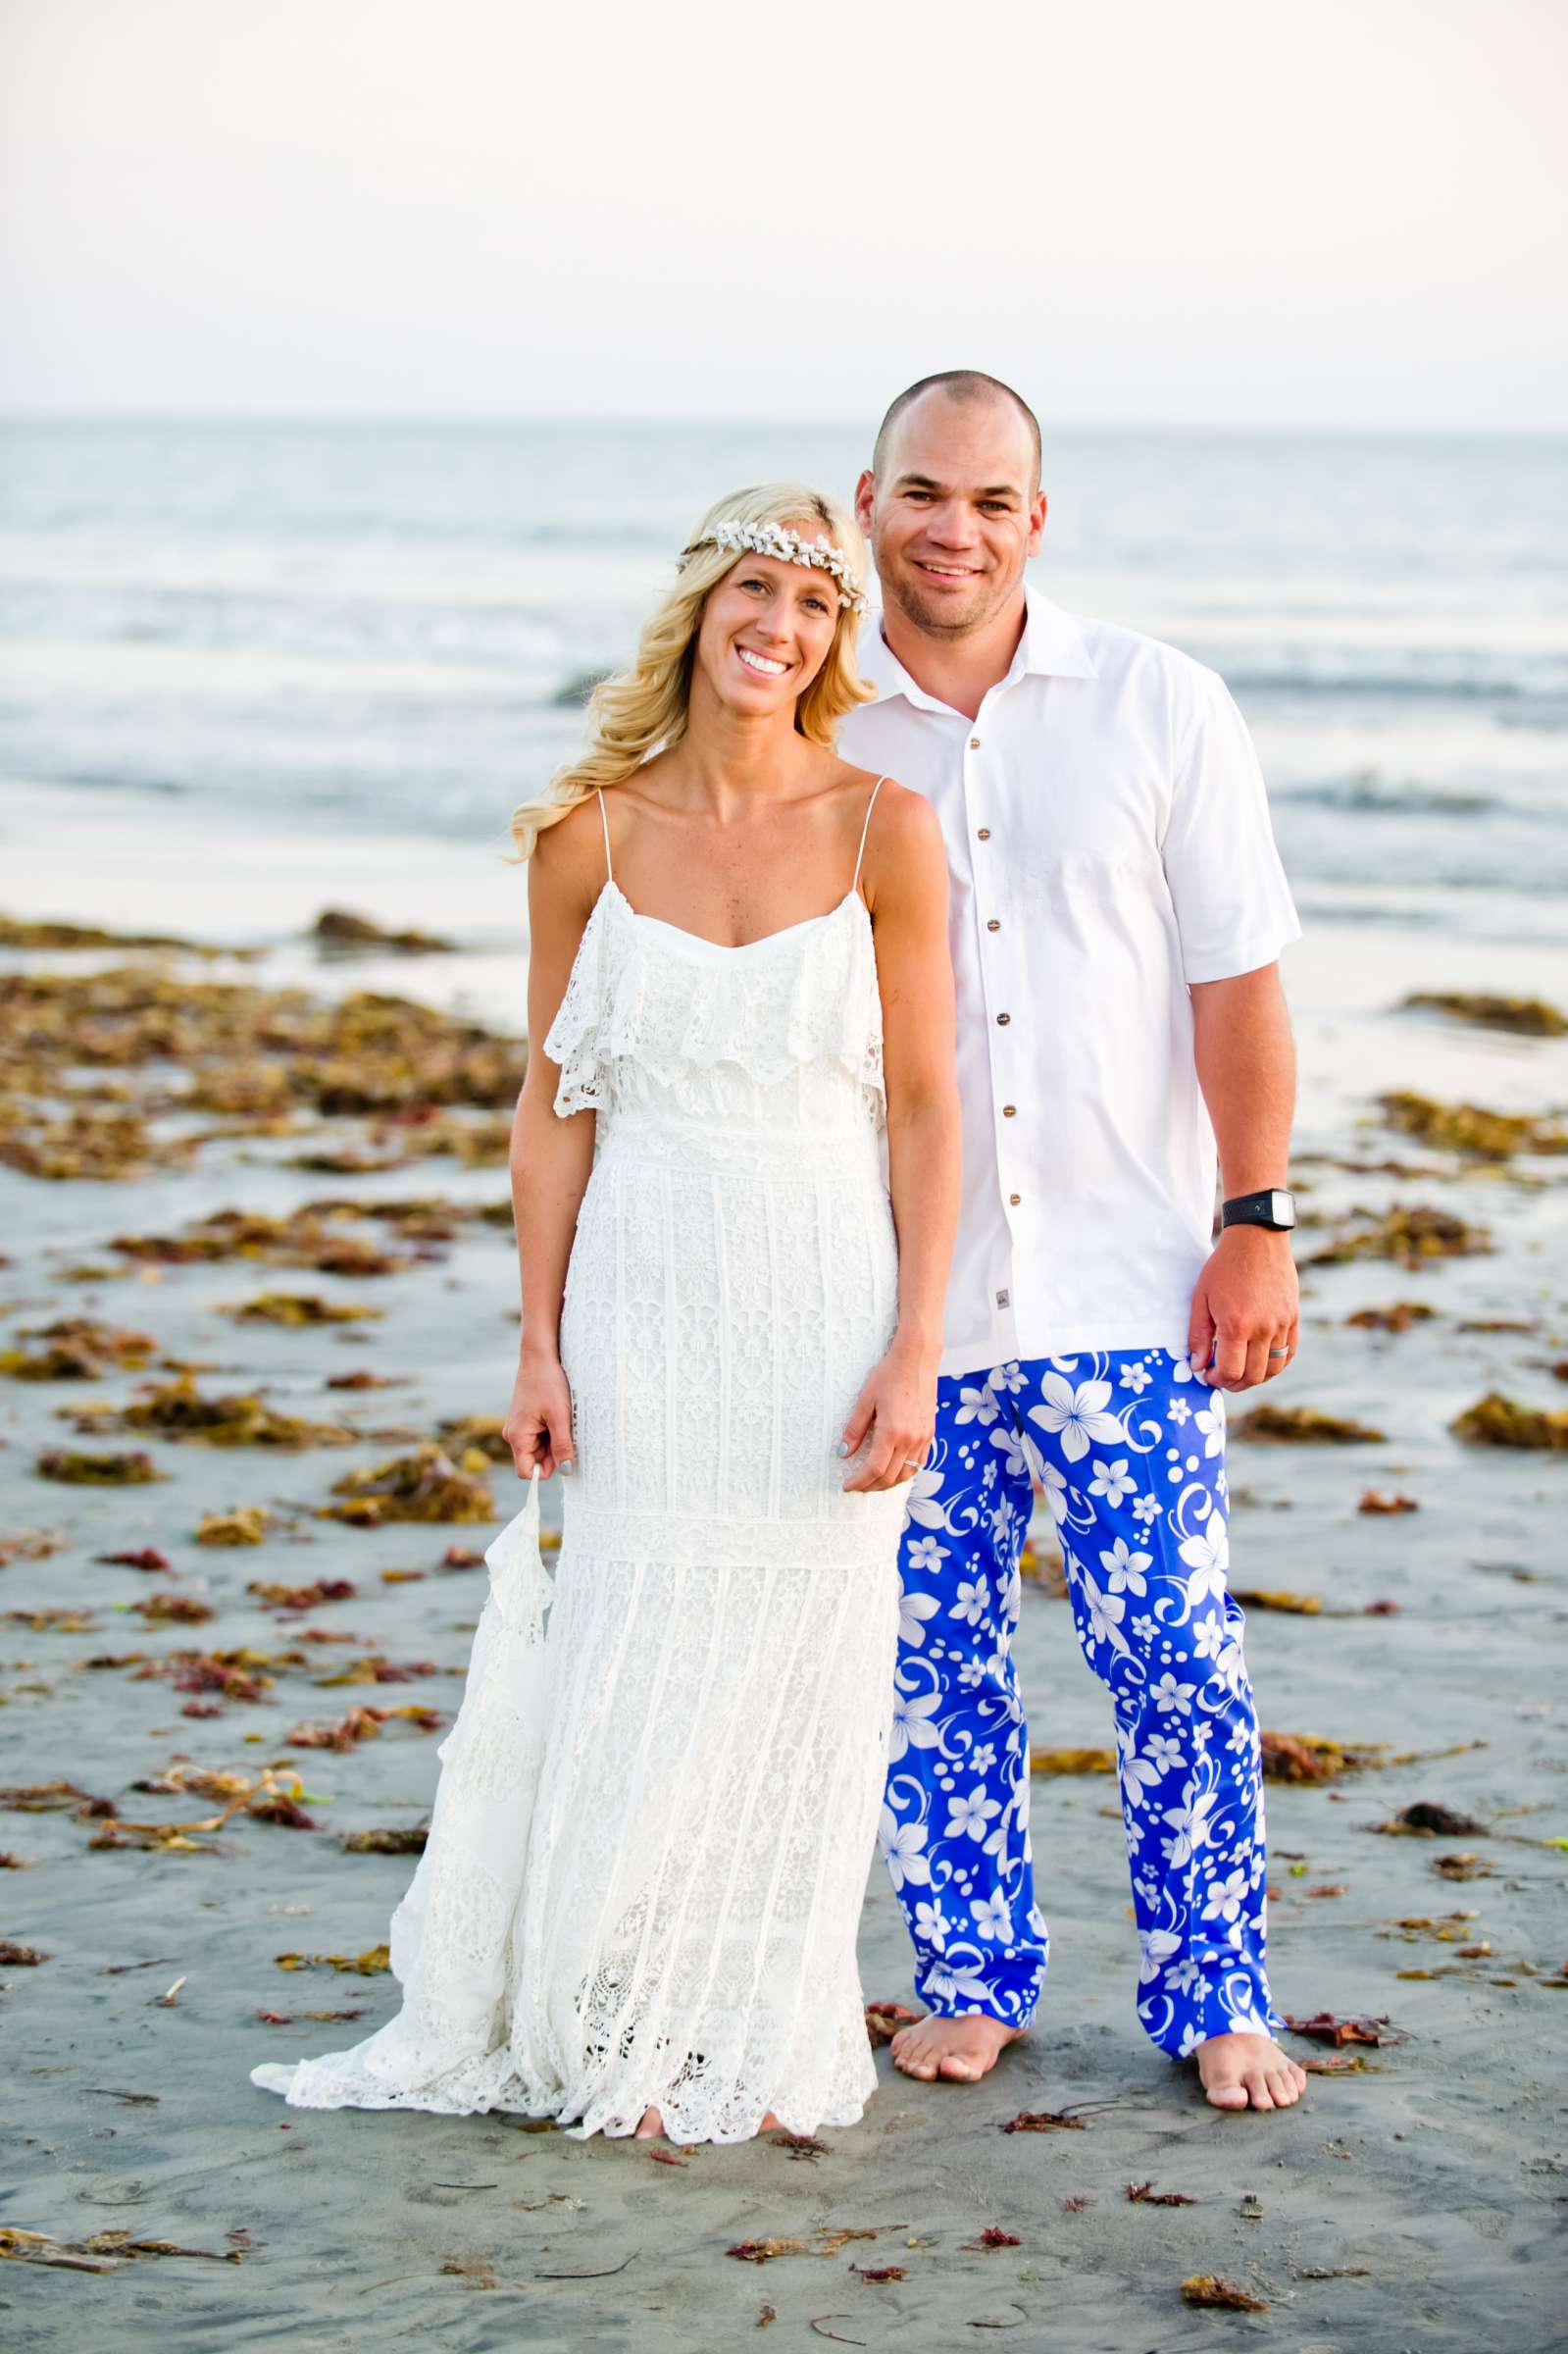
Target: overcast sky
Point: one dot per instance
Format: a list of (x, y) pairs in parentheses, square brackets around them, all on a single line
[(1249, 212)]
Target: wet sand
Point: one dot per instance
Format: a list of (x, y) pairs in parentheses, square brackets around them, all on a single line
[(1416, 2203)]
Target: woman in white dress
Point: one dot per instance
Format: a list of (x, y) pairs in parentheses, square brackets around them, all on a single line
[(735, 1180)]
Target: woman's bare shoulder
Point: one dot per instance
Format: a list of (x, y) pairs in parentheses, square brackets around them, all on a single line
[(568, 857)]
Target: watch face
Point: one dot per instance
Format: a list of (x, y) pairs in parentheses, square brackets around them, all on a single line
[(1282, 1209)]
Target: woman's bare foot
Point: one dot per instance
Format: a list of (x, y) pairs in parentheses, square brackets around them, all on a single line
[(650, 2126), (1248, 2072), (961, 2049)]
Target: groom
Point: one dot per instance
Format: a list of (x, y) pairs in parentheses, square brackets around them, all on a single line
[(1116, 911)]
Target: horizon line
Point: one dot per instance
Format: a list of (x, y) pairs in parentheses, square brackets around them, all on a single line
[(495, 421)]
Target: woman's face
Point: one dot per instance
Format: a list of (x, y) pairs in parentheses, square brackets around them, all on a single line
[(765, 632)]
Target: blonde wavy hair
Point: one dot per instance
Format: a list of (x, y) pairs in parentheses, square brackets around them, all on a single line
[(643, 709)]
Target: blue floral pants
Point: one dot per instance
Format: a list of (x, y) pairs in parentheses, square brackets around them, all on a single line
[(1129, 1447)]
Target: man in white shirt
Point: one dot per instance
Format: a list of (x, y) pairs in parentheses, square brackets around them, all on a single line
[(1116, 911)]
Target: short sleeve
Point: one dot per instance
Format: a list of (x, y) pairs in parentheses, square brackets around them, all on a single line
[(1233, 909)]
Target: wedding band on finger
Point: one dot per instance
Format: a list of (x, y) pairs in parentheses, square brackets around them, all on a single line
[(1279, 1353)]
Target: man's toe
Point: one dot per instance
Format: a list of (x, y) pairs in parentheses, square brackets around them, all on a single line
[(1228, 2095)]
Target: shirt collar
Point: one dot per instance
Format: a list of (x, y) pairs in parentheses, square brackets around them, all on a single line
[(1052, 647)]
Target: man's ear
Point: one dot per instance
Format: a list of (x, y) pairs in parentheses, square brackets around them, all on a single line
[(865, 498), (1037, 522)]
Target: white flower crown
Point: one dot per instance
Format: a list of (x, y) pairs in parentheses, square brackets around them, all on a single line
[(775, 539)]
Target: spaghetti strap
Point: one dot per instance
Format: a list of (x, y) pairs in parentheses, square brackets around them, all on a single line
[(865, 828), (604, 820)]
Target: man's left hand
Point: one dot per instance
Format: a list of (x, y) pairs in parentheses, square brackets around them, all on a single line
[(1246, 1320)]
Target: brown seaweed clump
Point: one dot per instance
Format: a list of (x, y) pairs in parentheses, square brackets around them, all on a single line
[(1528, 1017), (475, 1440), (1470, 1129), (1303, 1425), (1498, 1422), (79, 1350), (1397, 1316), (16, 932), (1410, 1236), (79, 1470), (242, 1525), (177, 1409), (84, 1141), (294, 1308), (304, 1239), (1310, 1758), (425, 1486)]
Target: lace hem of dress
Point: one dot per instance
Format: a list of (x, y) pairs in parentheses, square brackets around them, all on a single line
[(824, 1005)]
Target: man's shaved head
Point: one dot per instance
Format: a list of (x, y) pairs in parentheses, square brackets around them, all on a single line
[(959, 385)]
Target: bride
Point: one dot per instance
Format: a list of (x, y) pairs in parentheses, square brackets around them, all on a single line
[(736, 1182)]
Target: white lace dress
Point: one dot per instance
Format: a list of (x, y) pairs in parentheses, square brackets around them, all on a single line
[(658, 1804)]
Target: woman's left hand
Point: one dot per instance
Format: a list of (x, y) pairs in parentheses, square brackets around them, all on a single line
[(898, 1407)]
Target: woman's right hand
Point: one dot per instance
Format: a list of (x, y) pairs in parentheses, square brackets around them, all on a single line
[(538, 1422)]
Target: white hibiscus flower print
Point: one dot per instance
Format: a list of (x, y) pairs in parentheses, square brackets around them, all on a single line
[(913, 1611), (901, 1845), (1113, 1481), (1226, 1897), (1174, 1698), (922, 1507), (1207, 1555), (1105, 1613), (1013, 1459), (1158, 1947), (911, 1727), (932, 1925), (991, 1916), (1137, 1378), (1055, 1487), (1078, 1415), (948, 1986), (977, 1405), (1124, 1570), (1138, 1773), (1006, 1378), (1190, 1824), (1146, 1508), (1210, 1420), (1181, 1412), (969, 1603), (1162, 1752), (968, 1817), (925, 1553)]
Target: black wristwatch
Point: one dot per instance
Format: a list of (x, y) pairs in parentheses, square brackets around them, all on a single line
[(1274, 1209)]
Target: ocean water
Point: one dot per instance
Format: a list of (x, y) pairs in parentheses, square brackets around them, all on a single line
[(378, 627)]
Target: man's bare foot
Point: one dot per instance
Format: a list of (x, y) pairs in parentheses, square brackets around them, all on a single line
[(1248, 2072), (960, 2049)]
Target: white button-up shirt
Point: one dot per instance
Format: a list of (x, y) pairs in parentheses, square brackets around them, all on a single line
[(1108, 843)]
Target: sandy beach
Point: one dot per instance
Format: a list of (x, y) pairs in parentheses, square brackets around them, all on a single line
[(189, 1767)]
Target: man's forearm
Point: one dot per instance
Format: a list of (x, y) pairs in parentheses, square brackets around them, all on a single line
[(1245, 1059)]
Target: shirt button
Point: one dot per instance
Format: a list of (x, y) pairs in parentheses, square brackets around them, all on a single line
[(992, 925), (1004, 1017), (974, 743), (1015, 1199), (985, 833), (1008, 1110)]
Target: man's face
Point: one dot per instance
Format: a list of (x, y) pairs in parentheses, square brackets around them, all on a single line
[(955, 513)]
